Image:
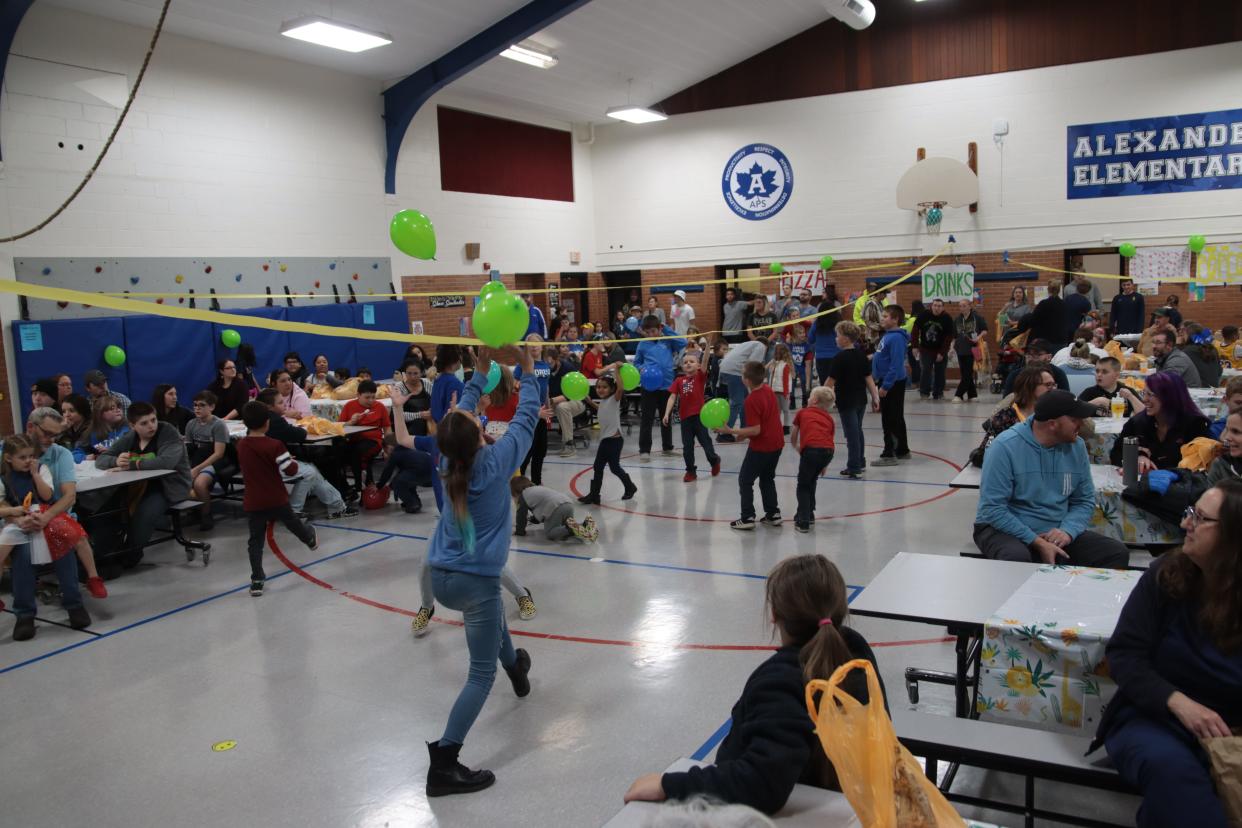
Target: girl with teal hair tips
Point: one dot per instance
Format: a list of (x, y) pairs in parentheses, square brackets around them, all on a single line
[(467, 553)]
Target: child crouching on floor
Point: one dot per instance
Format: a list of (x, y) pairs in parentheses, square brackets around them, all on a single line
[(551, 508)]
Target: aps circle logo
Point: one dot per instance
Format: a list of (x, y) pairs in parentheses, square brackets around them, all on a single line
[(757, 181)]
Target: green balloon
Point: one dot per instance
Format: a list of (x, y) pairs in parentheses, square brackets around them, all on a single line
[(826, 263), (114, 356), (630, 378), (413, 234), (230, 338), (776, 268), (1127, 250), (491, 289), (1196, 243), (714, 413), (574, 385), (500, 319)]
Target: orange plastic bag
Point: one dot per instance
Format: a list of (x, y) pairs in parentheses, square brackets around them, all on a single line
[(882, 781)]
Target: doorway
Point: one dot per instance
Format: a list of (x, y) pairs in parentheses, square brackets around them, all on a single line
[(625, 288)]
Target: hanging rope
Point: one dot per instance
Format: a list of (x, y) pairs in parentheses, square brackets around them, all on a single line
[(133, 93)]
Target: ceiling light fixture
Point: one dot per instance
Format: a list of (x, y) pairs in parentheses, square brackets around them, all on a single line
[(530, 56), (334, 35), (636, 114)]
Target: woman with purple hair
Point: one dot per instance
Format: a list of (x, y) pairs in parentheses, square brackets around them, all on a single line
[(1169, 420)]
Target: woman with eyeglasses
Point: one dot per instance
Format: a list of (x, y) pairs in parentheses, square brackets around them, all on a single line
[(1168, 421), (231, 392), (417, 408), (1176, 656), (1031, 384)]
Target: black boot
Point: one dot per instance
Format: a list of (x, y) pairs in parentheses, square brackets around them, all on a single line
[(518, 674), (630, 489), (592, 498), (448, 776)]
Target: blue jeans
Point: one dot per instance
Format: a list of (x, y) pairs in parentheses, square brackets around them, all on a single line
[(408, 469), (477, 597), (737, 398), (1165, 762), (851, 426), (812, 462), (311, 482), (24, 582)]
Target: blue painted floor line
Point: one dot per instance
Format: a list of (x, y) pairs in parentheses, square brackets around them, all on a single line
[(550, 554), (183, 608)]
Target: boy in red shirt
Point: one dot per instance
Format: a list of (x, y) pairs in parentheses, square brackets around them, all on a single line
[(365, 445), (767, 438), (813, 424), (687, 393), (263, 460)]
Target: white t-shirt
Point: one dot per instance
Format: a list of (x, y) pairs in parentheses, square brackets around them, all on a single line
[(1062, 357), (683, 315), (743, 352)]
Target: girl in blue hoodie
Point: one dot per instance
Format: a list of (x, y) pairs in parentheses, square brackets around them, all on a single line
[(888, 369), (467, 553)]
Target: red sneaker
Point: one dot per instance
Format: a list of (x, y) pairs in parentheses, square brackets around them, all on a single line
[(690, 477), (95, 586), (715, 468)]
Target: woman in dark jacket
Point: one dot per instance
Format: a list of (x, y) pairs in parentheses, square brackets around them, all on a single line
[(1176, 656), (164, 399), (772, 745), (1169, 420), (231, 392)]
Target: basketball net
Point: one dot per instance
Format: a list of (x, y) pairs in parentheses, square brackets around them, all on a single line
[(932, 212)]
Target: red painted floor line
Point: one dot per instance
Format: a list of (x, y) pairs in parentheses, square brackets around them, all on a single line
[(573, 487), (293, 567)]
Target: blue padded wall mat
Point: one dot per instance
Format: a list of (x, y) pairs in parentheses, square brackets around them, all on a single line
[(383, 358), (69, 346), (339, 350), (175, 351), (270, 346)]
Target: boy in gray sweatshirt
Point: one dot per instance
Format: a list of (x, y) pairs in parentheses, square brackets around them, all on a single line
[(551, 508)]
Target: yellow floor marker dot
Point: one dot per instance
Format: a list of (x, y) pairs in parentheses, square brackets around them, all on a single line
[(220, 747)]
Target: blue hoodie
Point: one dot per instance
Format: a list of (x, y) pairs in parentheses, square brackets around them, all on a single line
[(442, 391), (888, 365), (660, 353), (1028, 489), (489, 503), (825, 346)]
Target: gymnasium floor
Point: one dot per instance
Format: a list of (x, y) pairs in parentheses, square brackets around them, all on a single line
[(641, 645)]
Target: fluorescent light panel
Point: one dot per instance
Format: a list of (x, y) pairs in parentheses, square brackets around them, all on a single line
[(636, 114), (323, 32), (529, 56)]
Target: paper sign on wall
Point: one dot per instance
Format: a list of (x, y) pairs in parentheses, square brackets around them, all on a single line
[(948, 282), (368, 314), (1220, 264), (796, 281), (31, 337), (416, 327), (1150, 264)]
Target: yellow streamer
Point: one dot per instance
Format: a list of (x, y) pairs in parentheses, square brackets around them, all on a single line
[(1172, 280), (233, 320)]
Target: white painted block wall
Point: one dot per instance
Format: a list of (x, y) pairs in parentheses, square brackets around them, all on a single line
[(660, 198)]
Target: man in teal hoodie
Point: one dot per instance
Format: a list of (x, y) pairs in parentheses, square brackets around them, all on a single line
[(1036, 498)]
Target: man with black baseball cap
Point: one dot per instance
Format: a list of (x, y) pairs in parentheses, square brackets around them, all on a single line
[(96, 383), (1036, 498)]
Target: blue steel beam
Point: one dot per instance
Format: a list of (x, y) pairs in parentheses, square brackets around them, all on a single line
[(402, 100), (11, 14)]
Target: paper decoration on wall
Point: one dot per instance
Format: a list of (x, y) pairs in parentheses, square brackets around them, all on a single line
[(1220, 264), (1150, 264), (1195, 291), (31, 337)]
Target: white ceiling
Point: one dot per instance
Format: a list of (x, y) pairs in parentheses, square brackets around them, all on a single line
[(663, 45)]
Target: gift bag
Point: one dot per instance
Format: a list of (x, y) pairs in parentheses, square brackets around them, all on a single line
[(1225, 759), (62, 533), (882, 781)]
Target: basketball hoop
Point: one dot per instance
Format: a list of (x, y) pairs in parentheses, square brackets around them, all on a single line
[(932, 212)]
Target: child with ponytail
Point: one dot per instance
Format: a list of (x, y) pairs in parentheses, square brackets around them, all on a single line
[(772, 745), (467, 553)]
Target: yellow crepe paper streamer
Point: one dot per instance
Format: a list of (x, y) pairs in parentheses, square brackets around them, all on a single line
[(130, 305), (1171, 280)]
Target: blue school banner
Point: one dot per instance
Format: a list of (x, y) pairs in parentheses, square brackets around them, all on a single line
[(1171, 154)]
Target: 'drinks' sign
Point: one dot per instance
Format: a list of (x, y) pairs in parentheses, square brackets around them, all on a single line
[(1172, 154), (948, 282)]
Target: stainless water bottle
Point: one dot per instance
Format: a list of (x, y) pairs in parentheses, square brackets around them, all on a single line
[(1129, 461)]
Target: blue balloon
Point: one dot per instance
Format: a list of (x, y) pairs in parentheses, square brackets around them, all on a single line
[(631, 324), (493, 378), (652, 378)]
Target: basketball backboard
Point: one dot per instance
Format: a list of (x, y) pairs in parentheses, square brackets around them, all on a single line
[(937, 180)]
